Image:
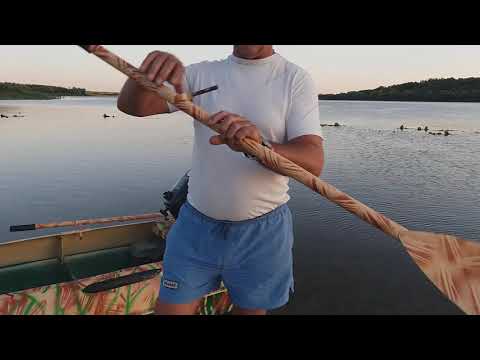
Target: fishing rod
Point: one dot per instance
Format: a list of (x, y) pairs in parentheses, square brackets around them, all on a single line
[(173, 201), (74, 223), (452, 264)]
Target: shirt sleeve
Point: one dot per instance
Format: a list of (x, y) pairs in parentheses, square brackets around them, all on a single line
[(303, 115), (186, 86)]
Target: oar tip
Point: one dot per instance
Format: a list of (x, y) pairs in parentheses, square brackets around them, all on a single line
[(89, 48), (26, 227)]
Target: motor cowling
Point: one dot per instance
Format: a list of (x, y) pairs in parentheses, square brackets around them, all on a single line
[(176, 197)]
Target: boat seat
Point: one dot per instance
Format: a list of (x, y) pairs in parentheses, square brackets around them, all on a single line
[(79, 266), (98, 262), (104, 261), (31, 275)]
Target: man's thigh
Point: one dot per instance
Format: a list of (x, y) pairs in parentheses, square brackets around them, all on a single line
[(259, 273)]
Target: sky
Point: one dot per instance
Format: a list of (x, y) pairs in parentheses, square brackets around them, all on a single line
[(335, 68)]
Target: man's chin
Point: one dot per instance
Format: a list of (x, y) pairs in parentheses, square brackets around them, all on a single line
[(248, 56), (249, 52)]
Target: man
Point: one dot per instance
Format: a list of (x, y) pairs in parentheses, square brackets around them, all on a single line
[(235, 226)]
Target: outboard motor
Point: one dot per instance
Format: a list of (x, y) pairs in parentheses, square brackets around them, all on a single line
[(152, 250), (175, 198)]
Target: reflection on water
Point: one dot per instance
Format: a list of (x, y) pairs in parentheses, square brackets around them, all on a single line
[(64, 161)]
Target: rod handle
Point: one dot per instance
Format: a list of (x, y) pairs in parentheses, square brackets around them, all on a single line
[(25, 227), (85, 47)]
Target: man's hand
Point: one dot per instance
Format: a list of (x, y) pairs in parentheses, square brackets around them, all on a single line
[(92, 48), (161, 66), (234, 128), (158, 67)]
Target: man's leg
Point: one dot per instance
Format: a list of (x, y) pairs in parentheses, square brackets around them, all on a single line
[(163, 308), (259, 271), (190, 265), (239, 311)]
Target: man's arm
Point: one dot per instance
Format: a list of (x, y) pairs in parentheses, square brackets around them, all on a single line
[(135, 100), (303, 131), (306, 150), (159, 66)]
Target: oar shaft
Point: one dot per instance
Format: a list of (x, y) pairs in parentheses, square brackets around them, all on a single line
[(148, 216), (268, 158)]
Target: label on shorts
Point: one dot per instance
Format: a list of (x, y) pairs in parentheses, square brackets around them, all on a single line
[(170, 284)]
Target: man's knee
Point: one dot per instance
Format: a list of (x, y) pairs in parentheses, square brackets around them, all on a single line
[(162, 308), (240, 311)]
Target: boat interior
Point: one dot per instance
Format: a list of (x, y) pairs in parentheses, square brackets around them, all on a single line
[(80, 254)]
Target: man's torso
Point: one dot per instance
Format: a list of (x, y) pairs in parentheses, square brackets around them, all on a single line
[(224, 184)]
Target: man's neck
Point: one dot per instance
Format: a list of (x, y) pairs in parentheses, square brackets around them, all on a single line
[(265, 52)]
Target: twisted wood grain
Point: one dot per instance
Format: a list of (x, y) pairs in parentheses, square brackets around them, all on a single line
[(452, 264)]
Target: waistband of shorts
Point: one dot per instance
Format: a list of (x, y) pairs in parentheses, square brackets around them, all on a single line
[(278, 211)]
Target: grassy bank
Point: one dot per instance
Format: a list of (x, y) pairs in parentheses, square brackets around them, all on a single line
[(13, 91), (101, 93)]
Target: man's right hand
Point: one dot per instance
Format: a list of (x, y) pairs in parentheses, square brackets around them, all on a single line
[(161, 66), (92, 48), (135, 100)]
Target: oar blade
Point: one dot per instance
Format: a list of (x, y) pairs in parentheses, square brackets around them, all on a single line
[(451, 263)]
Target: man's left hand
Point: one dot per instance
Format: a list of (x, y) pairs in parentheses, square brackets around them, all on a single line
[(234, 129)]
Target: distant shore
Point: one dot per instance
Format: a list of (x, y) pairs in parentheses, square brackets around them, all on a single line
[(400, 100), (14, 91), (47, 97), (465, 90), (101, 93)]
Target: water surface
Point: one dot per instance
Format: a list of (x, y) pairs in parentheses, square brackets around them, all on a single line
[(63, 161)]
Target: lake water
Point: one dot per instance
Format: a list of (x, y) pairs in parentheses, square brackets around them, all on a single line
[(64, 161)]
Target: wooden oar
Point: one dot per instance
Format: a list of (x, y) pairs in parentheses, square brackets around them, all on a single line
[(451, 263)]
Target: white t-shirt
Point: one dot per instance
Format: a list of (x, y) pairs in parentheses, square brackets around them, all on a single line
[(280, 99)]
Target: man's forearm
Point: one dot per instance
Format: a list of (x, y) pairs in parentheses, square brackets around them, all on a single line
[(158, 67), (307, 153), (135, 100)]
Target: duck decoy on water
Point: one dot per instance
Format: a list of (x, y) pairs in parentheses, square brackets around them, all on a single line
[(107, 116), (402, 127), (335, 124), (3, 116)]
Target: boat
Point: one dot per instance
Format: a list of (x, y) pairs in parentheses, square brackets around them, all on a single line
[(107, 270)]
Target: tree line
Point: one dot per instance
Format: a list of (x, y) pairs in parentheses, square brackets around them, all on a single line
[(450, 89), (31, 91)]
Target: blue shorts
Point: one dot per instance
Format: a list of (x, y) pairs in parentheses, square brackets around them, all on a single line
[(253, 258)]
